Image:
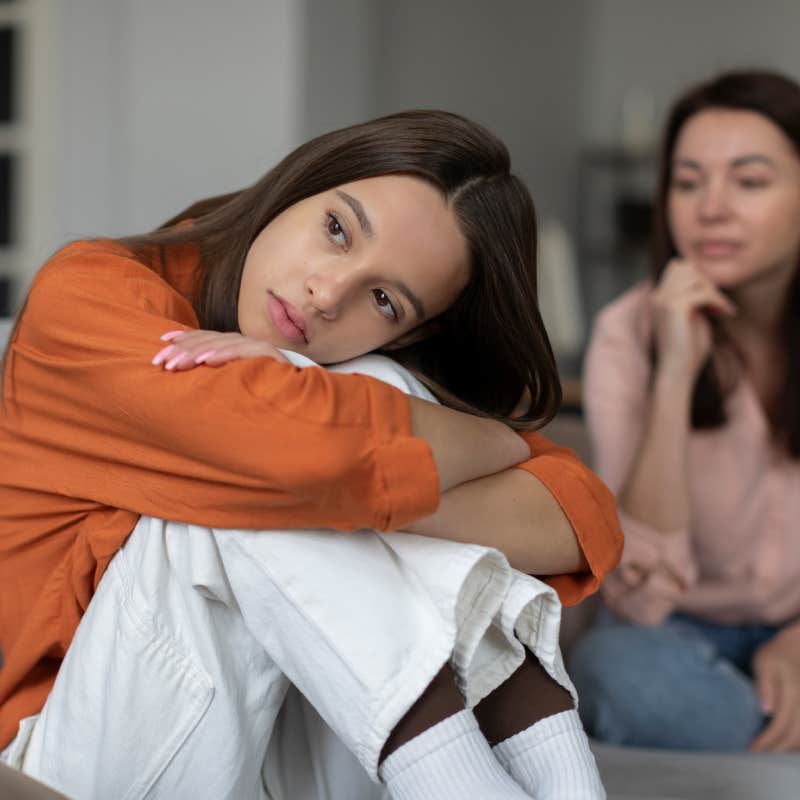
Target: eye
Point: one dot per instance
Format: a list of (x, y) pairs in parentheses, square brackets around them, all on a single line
[(752, 182), (335, 231), (384, 303), (684, 184)]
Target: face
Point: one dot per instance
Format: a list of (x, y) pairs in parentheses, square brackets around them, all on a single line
[(353, 269), (734, 198)]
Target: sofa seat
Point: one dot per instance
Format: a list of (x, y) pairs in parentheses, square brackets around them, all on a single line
[(633, 774)]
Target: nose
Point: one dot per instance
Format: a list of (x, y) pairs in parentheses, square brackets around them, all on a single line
[(327, 290), (714, 202)]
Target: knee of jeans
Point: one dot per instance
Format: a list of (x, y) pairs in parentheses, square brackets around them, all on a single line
[(597, 666), (644, 686), (600, 653), (610, 663)]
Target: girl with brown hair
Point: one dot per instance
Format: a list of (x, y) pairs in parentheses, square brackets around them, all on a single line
[(408, 234)]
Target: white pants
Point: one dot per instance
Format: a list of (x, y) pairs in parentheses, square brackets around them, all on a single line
[(243, 664)]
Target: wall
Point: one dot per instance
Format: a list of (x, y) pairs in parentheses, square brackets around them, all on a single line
[(663, 47), (341, 51), (514, 65), (160, 103)]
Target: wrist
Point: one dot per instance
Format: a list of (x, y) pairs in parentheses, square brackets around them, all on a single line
[(673, 382)]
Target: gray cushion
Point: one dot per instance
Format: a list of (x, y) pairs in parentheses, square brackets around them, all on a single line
[(15, 785), (632, 774)]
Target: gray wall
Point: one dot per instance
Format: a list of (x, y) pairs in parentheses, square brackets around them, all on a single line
[(342, 52), (148, 89), (663, 47), (162, 102), (549, 77), (514, 65)]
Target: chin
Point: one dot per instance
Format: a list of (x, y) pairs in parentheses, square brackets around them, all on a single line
[(725, 274)]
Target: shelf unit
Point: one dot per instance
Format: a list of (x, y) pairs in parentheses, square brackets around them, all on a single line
[(26, 108), (615, 191)]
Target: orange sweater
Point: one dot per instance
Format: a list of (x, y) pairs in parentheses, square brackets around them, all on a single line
[(92, 436)]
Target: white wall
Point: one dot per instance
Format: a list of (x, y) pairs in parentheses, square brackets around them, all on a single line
[(663, 47), (515, 65), (161, 102)]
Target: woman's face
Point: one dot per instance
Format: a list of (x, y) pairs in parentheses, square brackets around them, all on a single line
[(352, 269), (734, 198)]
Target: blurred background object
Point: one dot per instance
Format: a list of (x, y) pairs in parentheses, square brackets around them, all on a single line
[(114, 114), (560, 297)]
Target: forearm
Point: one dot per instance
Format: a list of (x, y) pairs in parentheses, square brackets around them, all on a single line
[(656, 490), (465, 447), (514, 512)]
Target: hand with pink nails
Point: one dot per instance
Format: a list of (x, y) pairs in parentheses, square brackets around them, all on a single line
[(187, 349)]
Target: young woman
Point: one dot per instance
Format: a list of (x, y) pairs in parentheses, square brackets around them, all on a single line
[(692, 386), (407, 233)]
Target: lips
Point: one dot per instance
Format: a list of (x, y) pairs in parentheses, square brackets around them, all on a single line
[(288, 321), (717, 248)]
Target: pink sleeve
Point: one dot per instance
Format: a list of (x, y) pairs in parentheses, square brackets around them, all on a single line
[(656, 567)]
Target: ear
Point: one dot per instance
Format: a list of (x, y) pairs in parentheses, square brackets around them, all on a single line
[(417, 334)]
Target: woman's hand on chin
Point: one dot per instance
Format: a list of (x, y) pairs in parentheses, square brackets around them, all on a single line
[(680, 302), (188, 349)]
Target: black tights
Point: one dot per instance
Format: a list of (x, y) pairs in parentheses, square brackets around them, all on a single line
[(529, 695)]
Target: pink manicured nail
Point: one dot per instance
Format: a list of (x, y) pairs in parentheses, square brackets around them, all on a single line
[(170, 335), (173, 362), (203, 356), (162, 354)]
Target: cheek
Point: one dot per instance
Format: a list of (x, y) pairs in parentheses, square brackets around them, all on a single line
[(251, 290), (679, 218), (778, 226)]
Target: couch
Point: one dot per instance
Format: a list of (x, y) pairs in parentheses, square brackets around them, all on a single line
[(629, 774)]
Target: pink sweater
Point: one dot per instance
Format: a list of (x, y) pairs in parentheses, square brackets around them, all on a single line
[(739, 560)]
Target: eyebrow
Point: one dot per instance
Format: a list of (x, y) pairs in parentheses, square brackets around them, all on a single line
[(358, 210), (754, 158), (416, 303), (742, 161)]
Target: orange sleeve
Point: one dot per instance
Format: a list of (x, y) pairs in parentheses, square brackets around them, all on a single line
[(253, 444), (590, 508)]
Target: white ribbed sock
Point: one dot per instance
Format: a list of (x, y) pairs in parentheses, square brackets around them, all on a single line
[(552, 760), (450, 761)]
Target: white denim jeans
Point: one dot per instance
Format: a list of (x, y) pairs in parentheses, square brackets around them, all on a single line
[(249, 664)]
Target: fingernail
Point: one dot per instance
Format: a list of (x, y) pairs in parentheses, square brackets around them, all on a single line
[(162, 354), (173, 362), (170, 335), (203, 356)]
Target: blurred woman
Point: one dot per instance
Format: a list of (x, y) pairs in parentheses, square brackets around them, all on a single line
[(692, 392)]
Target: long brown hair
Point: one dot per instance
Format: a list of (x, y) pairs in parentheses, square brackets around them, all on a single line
[(490, 347), (777, 98)]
